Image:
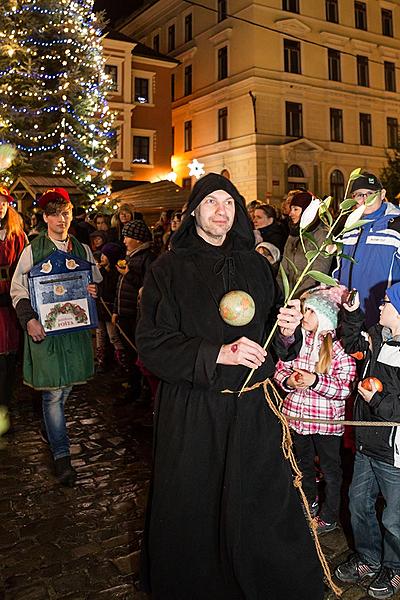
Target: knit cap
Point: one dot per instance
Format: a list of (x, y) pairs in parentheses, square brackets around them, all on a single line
[(302, 199), (393, 293), (137, 230), (113, 252), (325, 302)]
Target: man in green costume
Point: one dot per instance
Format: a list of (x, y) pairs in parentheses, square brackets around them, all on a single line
[(53, 364)]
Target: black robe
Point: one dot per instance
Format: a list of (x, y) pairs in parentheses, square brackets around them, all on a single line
[(223, 521)]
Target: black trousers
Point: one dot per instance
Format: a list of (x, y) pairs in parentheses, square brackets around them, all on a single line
[(327, 448), (7, 377)]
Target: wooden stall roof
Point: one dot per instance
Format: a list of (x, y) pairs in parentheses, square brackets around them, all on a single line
[(151, 198), (30, 185)]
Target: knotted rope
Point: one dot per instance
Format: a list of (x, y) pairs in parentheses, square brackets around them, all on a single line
[(287, 449)]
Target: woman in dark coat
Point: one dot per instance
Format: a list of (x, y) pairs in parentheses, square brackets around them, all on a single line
[(224, 521)]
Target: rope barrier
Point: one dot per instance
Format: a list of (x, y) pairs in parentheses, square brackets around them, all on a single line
[(118, 326)]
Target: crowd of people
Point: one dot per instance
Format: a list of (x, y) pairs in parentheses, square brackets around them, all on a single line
[(224, 519)]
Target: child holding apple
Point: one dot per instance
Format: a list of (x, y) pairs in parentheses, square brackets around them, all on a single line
[(377, 460), (318, 382)]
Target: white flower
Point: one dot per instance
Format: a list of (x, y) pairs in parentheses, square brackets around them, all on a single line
[(354, 216), (310, 213)]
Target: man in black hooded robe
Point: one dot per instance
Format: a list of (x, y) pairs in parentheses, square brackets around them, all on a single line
[(224, 521)]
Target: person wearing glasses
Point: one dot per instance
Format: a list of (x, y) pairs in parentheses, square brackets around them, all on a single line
[(375, 247), (377, 459)]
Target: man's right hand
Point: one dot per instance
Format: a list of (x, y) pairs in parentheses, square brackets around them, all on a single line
[(242, 352), (114, 318), (35, 330)]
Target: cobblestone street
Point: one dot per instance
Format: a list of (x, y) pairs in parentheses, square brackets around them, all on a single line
[(83, 543)]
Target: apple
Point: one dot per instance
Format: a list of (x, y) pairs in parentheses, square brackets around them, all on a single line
[(368, 381)]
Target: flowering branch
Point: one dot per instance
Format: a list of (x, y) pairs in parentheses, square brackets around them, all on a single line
[(331, 246)]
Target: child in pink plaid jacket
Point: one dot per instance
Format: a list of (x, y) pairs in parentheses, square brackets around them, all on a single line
[(317, 383)]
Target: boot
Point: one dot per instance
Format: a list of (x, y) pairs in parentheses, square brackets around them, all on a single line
[(64, 471), (122, 360)]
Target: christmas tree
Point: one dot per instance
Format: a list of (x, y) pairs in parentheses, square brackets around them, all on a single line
[(390, 175), (53, 88)]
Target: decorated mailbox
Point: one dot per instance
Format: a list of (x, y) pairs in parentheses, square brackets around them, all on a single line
[(57, 286)]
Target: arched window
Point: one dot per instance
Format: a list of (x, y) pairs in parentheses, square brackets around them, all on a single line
[(295, 171), (296, 179), (337, 188)]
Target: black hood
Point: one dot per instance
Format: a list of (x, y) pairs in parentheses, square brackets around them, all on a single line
[(241, 235)]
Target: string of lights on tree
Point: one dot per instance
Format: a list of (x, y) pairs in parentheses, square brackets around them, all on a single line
[(53, 88)]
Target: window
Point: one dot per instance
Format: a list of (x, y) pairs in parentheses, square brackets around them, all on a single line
[(392, 127), (334, 65), (112, 72), (188, 136), (142, 90), (141, 149), (188, 80), (188, 27), (360, 15), (291, 5), (337, 186), (292, 56), (294, 171), (362, 71), (294, 119), (222, 124), (172, 88), (223, 63), (336, 125), (390, 76), (156, 43), (332, 11), (296, 179), (171, 38), (365, 129), (222, 10), (387, 22)]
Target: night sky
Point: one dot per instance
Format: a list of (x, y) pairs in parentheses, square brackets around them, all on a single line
[(116, 9)]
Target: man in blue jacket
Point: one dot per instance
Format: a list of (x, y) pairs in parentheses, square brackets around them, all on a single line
[(375, 248)]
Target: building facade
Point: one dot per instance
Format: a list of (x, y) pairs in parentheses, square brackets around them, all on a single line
[(140, 77), (279, 93)]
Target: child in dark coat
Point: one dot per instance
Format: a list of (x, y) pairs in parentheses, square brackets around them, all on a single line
[(110, 254), (377, 460)]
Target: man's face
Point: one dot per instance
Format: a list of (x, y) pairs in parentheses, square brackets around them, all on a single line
[(362, 194), (58, 223), (3, 207), (101, 224), (214, 217)]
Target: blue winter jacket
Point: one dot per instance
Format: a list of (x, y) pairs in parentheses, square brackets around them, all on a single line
[(376, 250)]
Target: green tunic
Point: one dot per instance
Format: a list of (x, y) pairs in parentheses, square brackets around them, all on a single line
[(59, 360)]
